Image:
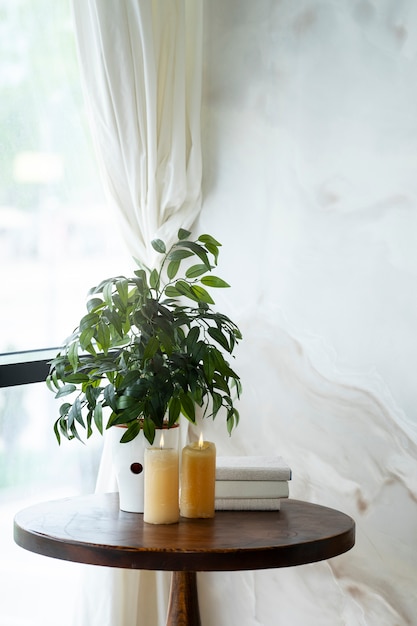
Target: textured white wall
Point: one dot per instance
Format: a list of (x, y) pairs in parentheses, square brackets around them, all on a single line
[(310, 160)]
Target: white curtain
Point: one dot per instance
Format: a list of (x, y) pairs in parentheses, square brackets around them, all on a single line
[(141, 68)]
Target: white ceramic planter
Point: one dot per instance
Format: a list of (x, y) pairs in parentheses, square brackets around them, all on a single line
[(128, 463)]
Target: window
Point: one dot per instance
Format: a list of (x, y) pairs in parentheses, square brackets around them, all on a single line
[(57, 235), (57, 239)]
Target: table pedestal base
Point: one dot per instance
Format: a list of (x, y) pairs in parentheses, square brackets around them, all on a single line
[(183, 607)]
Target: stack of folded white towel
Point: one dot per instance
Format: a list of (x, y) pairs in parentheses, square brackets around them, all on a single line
[(251, 482)]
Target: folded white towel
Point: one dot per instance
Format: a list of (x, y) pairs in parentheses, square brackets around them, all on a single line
[(252, 489), (252, 468), (247, 504)]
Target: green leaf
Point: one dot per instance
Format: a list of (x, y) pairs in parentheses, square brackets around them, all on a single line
[(237, 334), (65, 390), (198, 251), (74, 433), (110, 397), (92, 394), (199, 351), (141, 275), (49, 383), (209, 366), (192, 337), (217, 403), (172, 269), (98, 417), (159, 246), (119, 305), (86, 337), (56, 431), (154, 279), (122, 287), (63, 429), (90, 348), (131, 432), (222, 365), (174, 411), (196, 270), (77, 378), (64, 408), (151, 348), (88, 321), (165, 341), (75, 414), (184, 289), (220, 383), (107, 293), (125, 402), (213, 250), (172, 292), (89, 420), (130, 378), (115, 320), (103, 336), (179, 255), (218, 336), (214, 281), (94, 304), (201, 295), (232, 419), (209, 239), (194, 292), (183, 234), (187, 407), (54, 379), (149, 430), (238, 386)]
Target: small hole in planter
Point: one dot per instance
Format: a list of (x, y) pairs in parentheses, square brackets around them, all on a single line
[(136, 468)]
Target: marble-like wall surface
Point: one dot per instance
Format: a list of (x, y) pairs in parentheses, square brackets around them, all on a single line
[(310, 182)]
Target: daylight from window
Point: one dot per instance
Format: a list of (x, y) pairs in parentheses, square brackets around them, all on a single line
[(57, 234), (58, 238)]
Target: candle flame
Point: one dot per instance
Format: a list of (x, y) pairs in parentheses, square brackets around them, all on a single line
[(201, 441), (161, 441)]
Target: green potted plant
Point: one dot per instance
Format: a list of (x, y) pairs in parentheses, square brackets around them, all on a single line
[(149, 349)]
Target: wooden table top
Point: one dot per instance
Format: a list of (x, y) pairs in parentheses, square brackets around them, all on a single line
[(92, 529)]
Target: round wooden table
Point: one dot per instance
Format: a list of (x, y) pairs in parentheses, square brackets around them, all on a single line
[(92, 529)]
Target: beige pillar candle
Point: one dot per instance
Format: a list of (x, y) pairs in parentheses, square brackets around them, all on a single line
[(198, 479), (161, 488)]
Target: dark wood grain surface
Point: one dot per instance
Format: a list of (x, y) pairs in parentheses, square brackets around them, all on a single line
[(92, 529)]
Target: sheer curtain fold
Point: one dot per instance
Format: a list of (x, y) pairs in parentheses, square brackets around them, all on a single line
[(141, 63), (141, 67)]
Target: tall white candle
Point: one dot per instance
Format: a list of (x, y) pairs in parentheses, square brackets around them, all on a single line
[(161, 489)]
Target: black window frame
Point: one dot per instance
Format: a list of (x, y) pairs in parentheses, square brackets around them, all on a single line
[(25, 367)]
